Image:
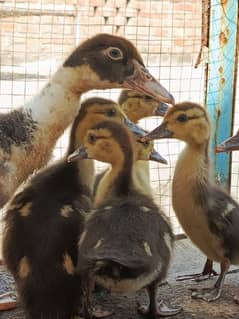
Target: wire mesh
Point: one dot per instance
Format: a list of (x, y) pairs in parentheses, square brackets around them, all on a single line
[(37, 35)]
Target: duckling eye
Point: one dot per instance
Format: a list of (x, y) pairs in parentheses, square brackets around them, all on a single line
[(91, 138), (147, 97), (115, 53), (111, 112), (182, 118)]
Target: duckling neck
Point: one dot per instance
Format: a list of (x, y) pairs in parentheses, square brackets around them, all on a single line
[(86, 173), (117, 182), (192, 172), (141, 177)]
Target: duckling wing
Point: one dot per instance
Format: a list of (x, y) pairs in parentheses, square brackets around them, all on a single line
[(223, 217), (128, 235)]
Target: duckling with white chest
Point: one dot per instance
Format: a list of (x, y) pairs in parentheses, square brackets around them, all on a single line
[(127, 241), (208, 215), (44, 220), (28, 134)]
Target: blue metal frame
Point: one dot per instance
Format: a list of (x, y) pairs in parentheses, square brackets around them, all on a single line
[(221, 78)]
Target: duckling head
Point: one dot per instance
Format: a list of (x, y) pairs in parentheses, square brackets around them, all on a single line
[(145, 151), (93, 111), (185, 121), (108, 61), (108, 142), (230, 144), (138, 106)]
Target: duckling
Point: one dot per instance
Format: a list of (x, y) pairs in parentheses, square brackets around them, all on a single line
[(43, 222), (28, 134), (208, 215), (127, 240), (144, 151), (137, 106)]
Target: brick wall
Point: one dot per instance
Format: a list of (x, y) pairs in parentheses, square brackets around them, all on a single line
[(165, 31)]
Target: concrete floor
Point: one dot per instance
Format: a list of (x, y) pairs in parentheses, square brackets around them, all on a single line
[(187, 259)]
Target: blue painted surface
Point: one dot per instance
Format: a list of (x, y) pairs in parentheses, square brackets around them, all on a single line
[(220, 82)]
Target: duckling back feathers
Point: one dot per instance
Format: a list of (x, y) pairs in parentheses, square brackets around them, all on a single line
[(126, 240)]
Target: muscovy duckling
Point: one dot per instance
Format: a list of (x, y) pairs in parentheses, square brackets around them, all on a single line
[(127, 241), (208, 215), (144, 151), (29, 133), (137, 106), (43, 222)]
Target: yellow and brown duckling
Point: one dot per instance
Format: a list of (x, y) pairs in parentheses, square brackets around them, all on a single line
[(127, 241), (208, 215), (137, 106), (143, 153), (44, 220), (28, 134)]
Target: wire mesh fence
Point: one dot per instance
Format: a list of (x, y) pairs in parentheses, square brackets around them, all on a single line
[(36, 35)]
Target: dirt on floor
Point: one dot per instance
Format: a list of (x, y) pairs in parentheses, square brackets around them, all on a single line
[(187, 259)]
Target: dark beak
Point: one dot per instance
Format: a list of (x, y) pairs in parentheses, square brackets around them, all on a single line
[(143, 82), (137, 130), (159, 132), (156, 157), (231, 144), (161, 109), (80, 153)]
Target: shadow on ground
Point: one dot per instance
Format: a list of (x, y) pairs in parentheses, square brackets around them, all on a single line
[(187, 259)]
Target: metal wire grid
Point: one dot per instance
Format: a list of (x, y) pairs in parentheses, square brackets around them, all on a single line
[(37, 35), (235, 155)]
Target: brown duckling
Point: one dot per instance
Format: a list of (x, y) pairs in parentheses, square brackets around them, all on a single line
[(127, 240), (28, 134), (44, 220), (208, 215)]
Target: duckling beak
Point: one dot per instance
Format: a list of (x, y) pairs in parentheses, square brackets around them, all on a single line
[(231, 144), (159, 132), (161, 109), (143, 82), (137, 130), (80, 153), (156, 157)]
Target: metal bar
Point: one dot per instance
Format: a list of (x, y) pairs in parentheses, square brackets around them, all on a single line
[(220, 93), (25, 9)]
